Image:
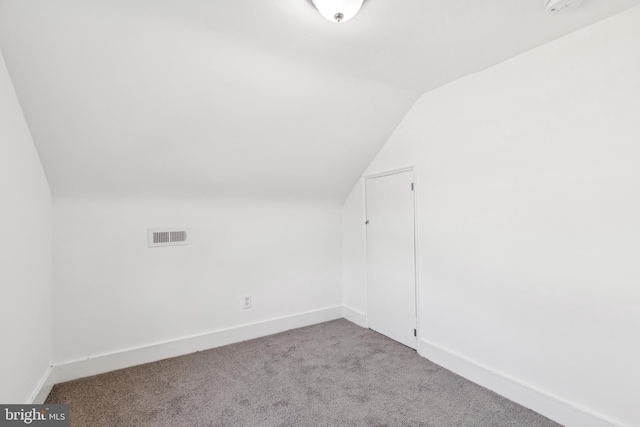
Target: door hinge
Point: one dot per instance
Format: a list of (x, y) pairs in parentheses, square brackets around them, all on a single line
[(415, 332), (412, 186)]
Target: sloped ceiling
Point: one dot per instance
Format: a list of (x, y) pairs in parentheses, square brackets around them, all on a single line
[(129, 98)]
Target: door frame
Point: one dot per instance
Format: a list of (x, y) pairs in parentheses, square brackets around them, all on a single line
[(365, 178)]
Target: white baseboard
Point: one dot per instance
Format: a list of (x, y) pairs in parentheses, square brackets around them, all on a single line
[(136, 356), (354, 316), (553, 407), (43, 389)]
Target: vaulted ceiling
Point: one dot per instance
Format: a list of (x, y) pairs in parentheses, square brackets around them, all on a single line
[(127, 98)]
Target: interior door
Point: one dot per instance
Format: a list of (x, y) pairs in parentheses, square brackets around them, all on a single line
[(391, 284)]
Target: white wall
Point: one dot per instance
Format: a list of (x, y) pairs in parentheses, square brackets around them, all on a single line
[(528, 193), (113, 293), (25, 254), (354, 271)]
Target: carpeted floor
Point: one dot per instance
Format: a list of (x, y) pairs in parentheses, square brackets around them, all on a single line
[(332, 374)]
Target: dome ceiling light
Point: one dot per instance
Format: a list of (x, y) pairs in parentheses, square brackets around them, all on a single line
[(338, 10)]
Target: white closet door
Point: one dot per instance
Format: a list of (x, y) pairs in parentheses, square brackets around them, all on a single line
[(391, 284)]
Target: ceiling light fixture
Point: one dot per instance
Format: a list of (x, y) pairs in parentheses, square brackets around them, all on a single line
[(338, 10)]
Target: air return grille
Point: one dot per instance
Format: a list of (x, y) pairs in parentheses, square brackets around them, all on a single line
[(168, 237)]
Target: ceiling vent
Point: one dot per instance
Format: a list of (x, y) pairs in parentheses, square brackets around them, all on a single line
[(168, 237), (555, 7)]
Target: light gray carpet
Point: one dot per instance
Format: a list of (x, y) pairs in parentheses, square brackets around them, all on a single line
[(332, 374)]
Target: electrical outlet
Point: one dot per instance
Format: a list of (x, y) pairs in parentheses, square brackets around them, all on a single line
[(246, 301)]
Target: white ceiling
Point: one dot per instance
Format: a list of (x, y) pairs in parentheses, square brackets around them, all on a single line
[(209, 97)]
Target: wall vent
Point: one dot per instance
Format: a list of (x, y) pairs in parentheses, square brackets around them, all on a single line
[(168, 237)]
